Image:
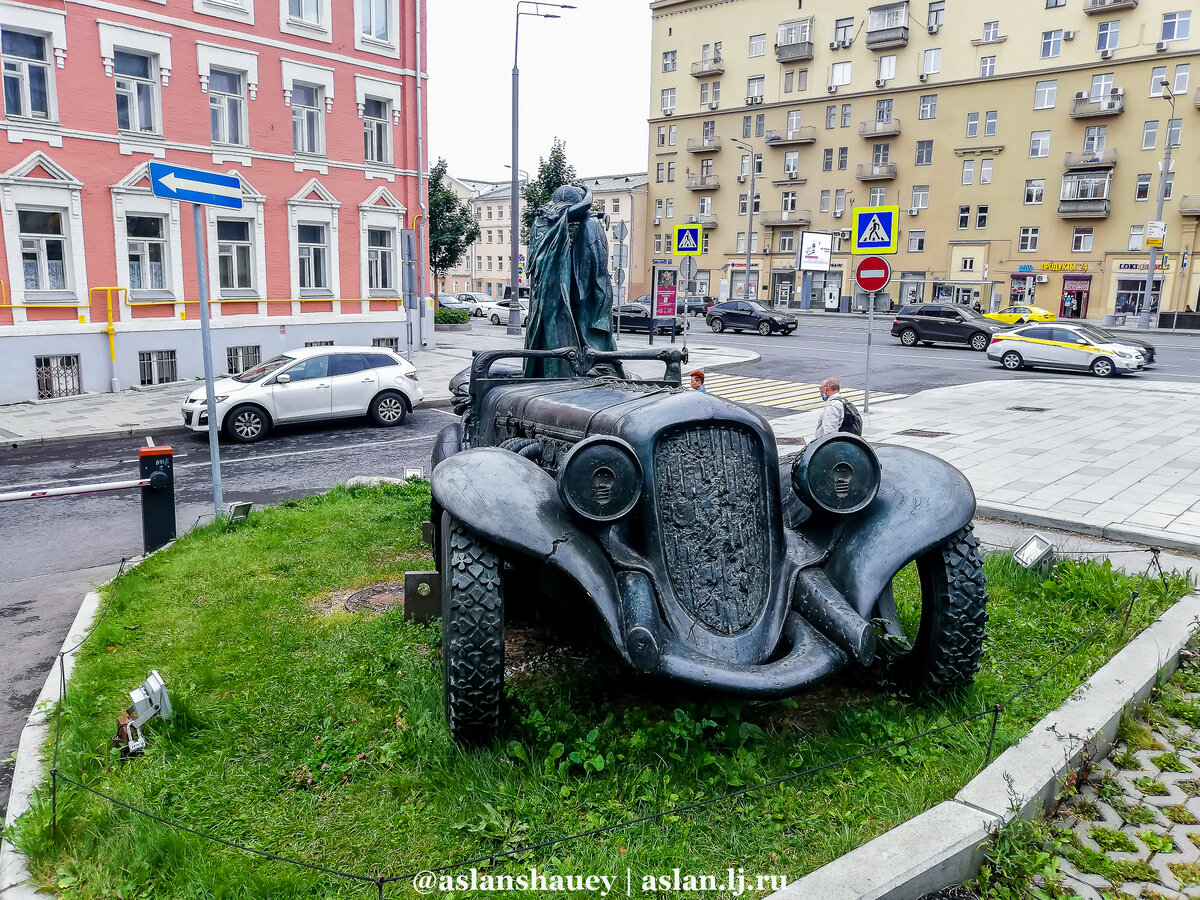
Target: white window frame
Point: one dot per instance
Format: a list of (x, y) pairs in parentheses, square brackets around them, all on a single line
[(987, 66), (916, 240), (757, 45), (1028, 239), (972, 124), (59, 193), (305, 209), (1051, 43), (1108, 34), (1181, 17), (131, 87), (320, 77), (1082, 232), (928, 106), (235, 10), (1136, 237), (1036, 188), (1179, 83), (370, 44), (968, 171), (891, 15), (144, 245), (920, 196), (221, 103), (756, 85), (24, 64), (1042, 143), (666, 100), (132, 197), (931, 62), (142, 41), (321, 30), (51, 25), (393, 95), (985, 170), (840, 74), (252, 211), (924, 145), (214, 56), (1045, 94)]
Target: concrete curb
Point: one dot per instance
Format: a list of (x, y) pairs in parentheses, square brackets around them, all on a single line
[(1115, 531), (945, 845), (29, 772), (17, 443)]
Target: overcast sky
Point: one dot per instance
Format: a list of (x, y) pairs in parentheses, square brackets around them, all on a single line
[(584, 78)]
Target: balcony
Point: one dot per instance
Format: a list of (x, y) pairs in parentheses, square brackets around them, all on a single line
[(801, 50), (708, 220), (1082, 159), (1189, 205), (1084, 209), (886, 38), (776, 217), (805, 134), (879, 128), (705, 67), (704, 144), (875, 171), (1102, 7), (703, 182), (1110, 104)]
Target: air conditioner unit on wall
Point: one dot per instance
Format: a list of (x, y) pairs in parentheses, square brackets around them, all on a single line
[(1106, 54), (922, 77), (1068, 35), (713, 105), (833, 45), (741, 179), (838, 213), (832, 89), (913, 210), (845, 44), (844, 234), (879, 82), (934, 29), (1160, 46), (1041, 279), (792, 173), (758, 99), (668, 112), (658, 221), (749, 101)]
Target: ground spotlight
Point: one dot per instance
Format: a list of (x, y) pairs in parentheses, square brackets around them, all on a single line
[(237, 512), (148, 700), (1037, 553)]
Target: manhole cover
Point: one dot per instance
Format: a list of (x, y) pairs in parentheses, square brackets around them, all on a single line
[(921, 432), (377, 597), (1029, 408), (790, 441)]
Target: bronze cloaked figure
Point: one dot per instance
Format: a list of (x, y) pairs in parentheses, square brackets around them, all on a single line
[(663, 521), (571, 292)]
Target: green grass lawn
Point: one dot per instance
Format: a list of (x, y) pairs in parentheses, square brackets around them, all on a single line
[(318, 734)]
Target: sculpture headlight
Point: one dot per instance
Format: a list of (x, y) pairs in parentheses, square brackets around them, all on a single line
[(838, 474), (600, 479)]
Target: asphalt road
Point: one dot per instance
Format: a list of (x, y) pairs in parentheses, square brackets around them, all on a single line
[(57, 548)]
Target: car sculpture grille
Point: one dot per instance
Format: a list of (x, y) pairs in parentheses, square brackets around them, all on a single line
[(708, 491)]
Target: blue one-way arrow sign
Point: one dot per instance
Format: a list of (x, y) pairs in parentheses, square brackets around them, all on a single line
[(195, 185)]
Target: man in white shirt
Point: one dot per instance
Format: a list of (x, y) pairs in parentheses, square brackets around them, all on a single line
[(835, 408)]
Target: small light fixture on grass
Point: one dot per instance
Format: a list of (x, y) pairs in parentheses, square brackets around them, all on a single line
[(237, 512), (149, 700), (414, 472), (1036, 554)]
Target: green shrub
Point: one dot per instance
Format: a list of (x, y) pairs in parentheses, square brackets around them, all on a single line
[(450, 316)]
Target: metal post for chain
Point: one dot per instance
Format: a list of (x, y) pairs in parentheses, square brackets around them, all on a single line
[(996, 710), (379, 882), (54, 804)]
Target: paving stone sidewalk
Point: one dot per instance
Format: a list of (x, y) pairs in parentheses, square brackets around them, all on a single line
[(1116, 458), (1135, 824)]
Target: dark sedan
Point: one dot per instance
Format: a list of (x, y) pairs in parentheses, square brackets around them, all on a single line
[(948, 323), (636, 317), (740, 315)]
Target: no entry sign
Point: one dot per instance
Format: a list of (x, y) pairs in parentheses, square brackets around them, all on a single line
[(873, 274)]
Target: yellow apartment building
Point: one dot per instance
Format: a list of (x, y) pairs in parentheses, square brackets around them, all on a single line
[(1023, 144)]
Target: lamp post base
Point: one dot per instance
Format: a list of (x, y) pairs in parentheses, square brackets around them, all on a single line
[(1143, 320)]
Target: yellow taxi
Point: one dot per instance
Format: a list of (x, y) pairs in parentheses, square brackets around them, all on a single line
[(1019, 315), (1061, 346)]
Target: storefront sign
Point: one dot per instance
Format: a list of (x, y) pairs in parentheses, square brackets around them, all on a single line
[(1134, 267), (1064, 267)]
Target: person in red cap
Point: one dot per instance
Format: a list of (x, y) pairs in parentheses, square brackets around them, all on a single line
[(698, 381)]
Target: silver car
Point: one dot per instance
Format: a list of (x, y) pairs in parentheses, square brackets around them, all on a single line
[(310, 385), (1058, 346)]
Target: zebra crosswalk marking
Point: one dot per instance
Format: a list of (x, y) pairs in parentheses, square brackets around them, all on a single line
[(773, 393)]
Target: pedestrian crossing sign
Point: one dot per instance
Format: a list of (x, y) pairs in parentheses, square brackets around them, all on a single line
[(874, 230), (689, 239)]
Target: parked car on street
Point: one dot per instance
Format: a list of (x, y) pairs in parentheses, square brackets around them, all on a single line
[(1060, 346), (498, 314), (695, 306), (944, 323), (450, 301), (637, 317), (740, 315), (1019, 315), (310, 385), (1127, 340), (479, 305)]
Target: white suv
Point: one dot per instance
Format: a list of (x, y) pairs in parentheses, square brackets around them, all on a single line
[(310, 385)]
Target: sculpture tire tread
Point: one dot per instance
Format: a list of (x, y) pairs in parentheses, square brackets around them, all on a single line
[(472, 634), (945, 656)]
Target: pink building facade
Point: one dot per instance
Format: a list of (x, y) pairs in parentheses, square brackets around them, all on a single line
[(313, 104)]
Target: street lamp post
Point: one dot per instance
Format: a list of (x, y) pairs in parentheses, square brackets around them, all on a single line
[(750, 223), (1147, 300), (514, 309)]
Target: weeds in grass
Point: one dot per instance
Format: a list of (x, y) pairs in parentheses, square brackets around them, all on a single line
[(1152, 786), (1180, 815), (1111, 840), (1158, 843), (1136, 815)]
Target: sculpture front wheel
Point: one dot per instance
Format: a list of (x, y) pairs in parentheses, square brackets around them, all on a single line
[(935, 650), (472, 633)]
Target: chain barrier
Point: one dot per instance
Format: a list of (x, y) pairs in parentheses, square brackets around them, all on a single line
[(380, 881)]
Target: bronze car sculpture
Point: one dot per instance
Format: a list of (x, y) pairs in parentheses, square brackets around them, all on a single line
[(667, 516)]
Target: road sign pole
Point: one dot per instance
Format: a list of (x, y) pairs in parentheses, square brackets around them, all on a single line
[(206, 348), (867, 379)]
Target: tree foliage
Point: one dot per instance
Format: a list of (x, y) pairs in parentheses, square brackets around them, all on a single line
[(553, 173), (452, 228)]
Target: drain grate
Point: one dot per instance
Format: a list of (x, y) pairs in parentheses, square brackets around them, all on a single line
[(377, 597), (1030, 408), (921, 432)]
